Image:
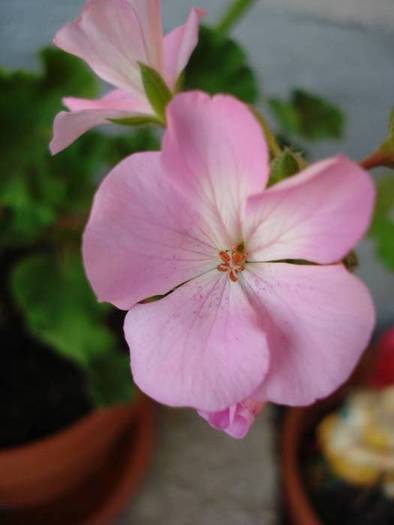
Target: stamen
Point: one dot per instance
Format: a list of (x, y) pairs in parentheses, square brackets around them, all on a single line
[(233, 276), (234, 262), (225, 257), (238, 258)]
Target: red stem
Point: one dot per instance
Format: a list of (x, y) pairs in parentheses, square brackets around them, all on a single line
[(378, 159)]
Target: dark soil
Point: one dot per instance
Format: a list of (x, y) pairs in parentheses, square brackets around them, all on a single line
[(40, 393)]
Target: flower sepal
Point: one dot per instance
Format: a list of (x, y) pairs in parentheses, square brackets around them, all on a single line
[(284, 165), (137, 120), (156, 90)]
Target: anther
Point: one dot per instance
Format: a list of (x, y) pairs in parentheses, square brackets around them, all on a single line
[(233, 276), (225, 257)]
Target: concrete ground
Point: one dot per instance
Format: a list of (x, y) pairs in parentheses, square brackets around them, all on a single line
[(201, 477), (342, 49)]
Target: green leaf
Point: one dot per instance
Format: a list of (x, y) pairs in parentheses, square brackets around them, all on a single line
[(308, 116), (37, 190), (283, 166), (286, 115), (156, 90), (109, 379), (30, 192), (219, 65), (59, 307), (382, 228), (65, 74)]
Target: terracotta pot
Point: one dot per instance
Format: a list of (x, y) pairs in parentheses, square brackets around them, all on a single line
[(297, 421), (82, 475)]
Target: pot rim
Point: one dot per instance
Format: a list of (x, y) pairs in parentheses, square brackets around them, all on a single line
[(63, 435), (136, 455)]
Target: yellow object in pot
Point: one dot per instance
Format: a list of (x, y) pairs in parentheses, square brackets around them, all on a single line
[(358, 440)]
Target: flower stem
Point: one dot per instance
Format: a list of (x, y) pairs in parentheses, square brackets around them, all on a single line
[(380, 158), (233, 14)]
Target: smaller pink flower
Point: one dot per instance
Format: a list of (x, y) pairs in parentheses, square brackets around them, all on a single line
[(113, 37), (241, 321), (236, 420)]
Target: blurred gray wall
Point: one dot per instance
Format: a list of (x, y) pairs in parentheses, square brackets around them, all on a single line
[(343, 49), (367, 12)]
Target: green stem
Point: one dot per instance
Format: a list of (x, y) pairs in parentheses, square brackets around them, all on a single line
[(236, 10), (274, 148)]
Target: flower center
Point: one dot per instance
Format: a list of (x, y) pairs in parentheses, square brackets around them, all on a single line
[(233, 261)]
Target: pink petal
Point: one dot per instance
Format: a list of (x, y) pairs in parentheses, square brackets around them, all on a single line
[(117, 99), (318, 215), (318, 321), (68, 127), (86, 114), (179, 44), (215, 151), (202, 346), (112, 36), (148, 14), (236, 420), (143, 238)]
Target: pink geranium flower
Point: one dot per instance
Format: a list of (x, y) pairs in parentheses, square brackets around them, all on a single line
[(241, 321), (113, 36)]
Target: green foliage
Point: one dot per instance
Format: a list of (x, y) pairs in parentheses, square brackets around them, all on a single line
[(382, 229), (32, 186), (59, 307), (156, 90), (63, 73), (109, 379), (284, 165), (308, 116), (36, 189), (219, 65)]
